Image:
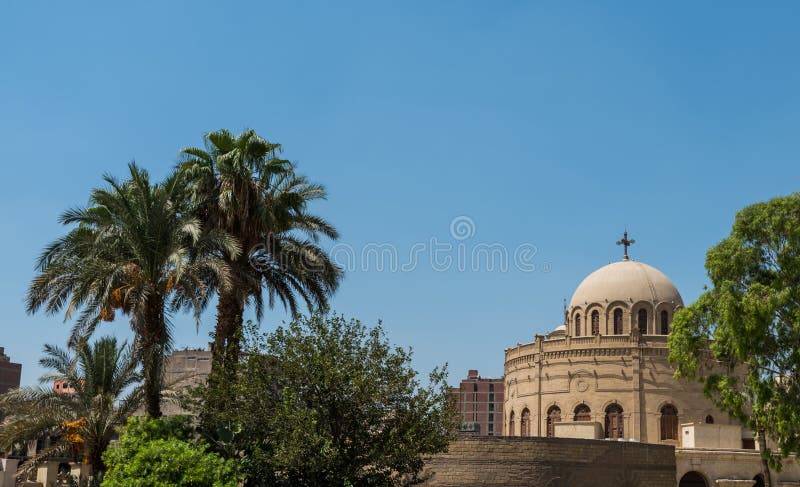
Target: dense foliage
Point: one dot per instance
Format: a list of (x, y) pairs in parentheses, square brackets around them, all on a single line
[(326, 401), (163, 453), (742, 337), (83, 422)]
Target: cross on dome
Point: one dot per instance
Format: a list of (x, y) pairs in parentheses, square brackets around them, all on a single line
[(625, 243)]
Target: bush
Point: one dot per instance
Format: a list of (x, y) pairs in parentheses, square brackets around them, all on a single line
[(162, 453)]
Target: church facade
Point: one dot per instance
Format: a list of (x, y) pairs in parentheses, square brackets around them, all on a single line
[(604, 375)]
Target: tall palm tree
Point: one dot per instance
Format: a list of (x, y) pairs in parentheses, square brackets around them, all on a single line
[(103, 376), (240, 186), (137, 250)]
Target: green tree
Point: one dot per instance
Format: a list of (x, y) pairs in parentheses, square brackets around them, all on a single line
[(241, 186), (134, 249), (163, 453), (741, 338), (104, 376), (326, 401)]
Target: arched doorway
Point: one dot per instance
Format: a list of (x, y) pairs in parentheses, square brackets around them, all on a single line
[(614, 428), (759, 481), (553, 417), (693, 479)]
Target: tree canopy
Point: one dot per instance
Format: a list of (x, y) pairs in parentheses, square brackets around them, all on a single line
[(103, 392), (741, 338), (327, 401)]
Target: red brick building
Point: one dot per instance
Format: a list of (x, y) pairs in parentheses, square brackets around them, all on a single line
[(9, 372), (480, 404)]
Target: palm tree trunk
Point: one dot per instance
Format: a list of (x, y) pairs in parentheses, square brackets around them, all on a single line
[(96, 464), (153, 348), (227, 335)]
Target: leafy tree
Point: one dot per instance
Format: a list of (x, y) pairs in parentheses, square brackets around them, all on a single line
[(241, 186), (103, 375), (162, 453), (326, 401), (133, 250), (742, 337)]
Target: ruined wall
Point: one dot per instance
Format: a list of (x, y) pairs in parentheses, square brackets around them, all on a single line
[(551, 462)]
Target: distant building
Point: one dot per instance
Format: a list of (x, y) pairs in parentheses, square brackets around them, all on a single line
[(183, 369), (63, 387), (480, 404), (10, 372)]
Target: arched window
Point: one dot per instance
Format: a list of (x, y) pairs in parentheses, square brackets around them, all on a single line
[(618, 321), (709, 419), (614, 428), (664, 322), (595, 322), (759, 481), (642, 321), (553, 417), (577, 325), (583, 413), (669, 422), (511, 424), (525, 423)]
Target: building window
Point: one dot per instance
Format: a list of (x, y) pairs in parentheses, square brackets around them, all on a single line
[(583, 413), (664, 322), (491, 406), (595, 322), (553, 417), (614, 428), (642, 322), (491, 429), (618, 321), (709, 419), (578, 325), (748, 443), (669, 423), (525, 423), (511, 424)]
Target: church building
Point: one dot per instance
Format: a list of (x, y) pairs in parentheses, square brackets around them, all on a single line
[(604, 375)]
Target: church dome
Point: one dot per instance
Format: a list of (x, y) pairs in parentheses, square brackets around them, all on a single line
[(628, 281)]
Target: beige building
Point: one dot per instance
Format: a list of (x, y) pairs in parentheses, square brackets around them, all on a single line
[(184, 369), (604, 374)]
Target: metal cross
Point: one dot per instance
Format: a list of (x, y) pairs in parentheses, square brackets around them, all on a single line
[(626, 243)]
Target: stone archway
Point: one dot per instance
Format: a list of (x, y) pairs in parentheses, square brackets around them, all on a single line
[(693, 479)]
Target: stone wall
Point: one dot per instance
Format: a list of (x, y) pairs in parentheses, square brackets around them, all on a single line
[(551, 462)]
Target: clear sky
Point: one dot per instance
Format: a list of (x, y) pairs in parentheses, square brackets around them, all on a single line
[(544, 125)]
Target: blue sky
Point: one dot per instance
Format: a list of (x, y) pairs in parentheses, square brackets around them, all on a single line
[(547, 124)]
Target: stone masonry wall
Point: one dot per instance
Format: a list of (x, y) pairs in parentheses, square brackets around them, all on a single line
[(551, 462)]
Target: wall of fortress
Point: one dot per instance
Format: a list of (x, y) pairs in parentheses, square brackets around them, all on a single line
[(552, 462)]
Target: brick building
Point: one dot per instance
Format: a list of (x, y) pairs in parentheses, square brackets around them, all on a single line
[(9, 372), (480, 404)]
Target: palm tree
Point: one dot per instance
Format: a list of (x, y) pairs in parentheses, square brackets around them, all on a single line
[(104, 377), (137, 250), (241, 187)]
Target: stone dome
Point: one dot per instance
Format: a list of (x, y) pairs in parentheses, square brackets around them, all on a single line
[(628, 281)]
